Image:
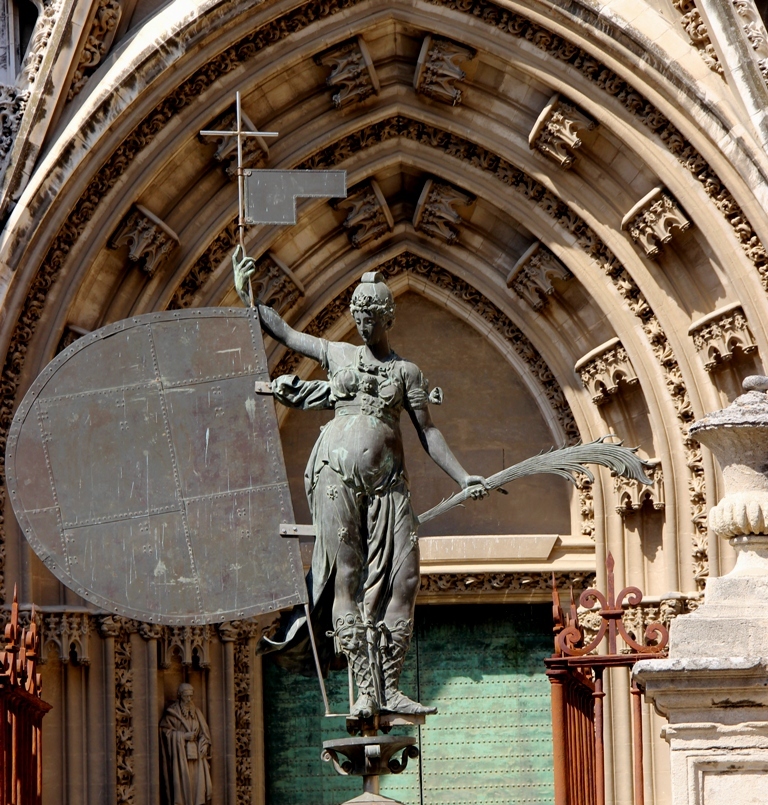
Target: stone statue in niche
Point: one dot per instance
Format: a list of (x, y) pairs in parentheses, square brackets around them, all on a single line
[(185, 746), (365, 566)]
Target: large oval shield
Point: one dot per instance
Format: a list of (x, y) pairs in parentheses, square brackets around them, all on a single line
[(148, 475)]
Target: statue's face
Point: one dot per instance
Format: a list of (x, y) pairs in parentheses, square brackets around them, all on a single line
[(186, 697), (371, 326)]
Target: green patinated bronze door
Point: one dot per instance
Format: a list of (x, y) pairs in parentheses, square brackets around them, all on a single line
[(482, 666)]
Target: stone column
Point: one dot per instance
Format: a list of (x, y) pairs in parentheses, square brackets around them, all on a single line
[(713, 688)]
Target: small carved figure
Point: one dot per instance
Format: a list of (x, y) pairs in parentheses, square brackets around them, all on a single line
[(366, 556), (185, 745)]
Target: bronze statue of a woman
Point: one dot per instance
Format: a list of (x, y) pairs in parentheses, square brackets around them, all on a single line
[(365, 527)]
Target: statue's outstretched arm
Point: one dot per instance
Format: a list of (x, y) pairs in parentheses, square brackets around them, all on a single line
[(244, 268), (434, 443)]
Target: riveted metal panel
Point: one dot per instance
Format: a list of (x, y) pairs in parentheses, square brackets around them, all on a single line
[(148, 475)]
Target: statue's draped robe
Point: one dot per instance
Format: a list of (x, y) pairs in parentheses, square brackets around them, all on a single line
[(184, 764)]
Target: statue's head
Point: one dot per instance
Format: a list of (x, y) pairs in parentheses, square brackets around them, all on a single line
[(185, 693), (372, 307)]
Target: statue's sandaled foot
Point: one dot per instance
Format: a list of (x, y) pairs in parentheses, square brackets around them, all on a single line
[(365, 707), (399, 704)]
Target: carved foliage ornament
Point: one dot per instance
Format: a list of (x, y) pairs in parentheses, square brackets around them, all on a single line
[(438, 71), (436, 210), (149, 240), (40, 38), (489, 583), (532, 275), (97, 43), (697, 32), (654, 220), (353, 75), (717, 335), (368, 215), (508, 23), (13, 102), (255, 150), (556, 131), (603, 369), (754, 30)]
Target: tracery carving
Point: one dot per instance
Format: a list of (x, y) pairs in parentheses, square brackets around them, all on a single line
[(754, 30), (436, 210), (653, 221), (488, 583), (556, 131), (368, 215), (632, 495), (440, 277), (717, 335), (41, 35), (149, 240), (68, 633), (13, 102), (438, 71), (603, 369), (697, 32), (352, 72), (532, 275), (243, 719), (189, 642), (97, 43), (254, 149)]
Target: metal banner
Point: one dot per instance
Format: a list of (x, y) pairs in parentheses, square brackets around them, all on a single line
[(270, 195), (148, 475)]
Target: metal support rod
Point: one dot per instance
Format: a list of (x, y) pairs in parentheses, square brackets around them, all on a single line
[(637, 744), (559, 759), (599, 695), (317, 661)]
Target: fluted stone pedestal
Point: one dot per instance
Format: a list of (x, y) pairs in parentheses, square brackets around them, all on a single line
[(713, 689)]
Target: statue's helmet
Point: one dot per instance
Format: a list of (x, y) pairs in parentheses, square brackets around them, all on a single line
[(373, 296)]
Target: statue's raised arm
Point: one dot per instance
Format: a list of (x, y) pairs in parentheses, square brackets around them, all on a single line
[(308, 345)]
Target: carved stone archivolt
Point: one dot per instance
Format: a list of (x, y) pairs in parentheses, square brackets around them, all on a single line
[(13, 102), (698, 33), (556, 131), (654, 220), (353, 76), (368, 215), (633, 495), (149, 240), (603, 369), (438, 71), (41, 36), (531, 276), (718, 334), (255, 150), (436, 212), (97, 43)]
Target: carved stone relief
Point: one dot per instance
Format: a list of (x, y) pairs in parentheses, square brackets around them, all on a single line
[(368, 215), (97, 43), (71, 333), (69, 634), (188, 642), (632, 494), (13, 102), (754, 30), (438, 71), (653, 221), (532, 275), (556, 131), (718, 334), (697, 32), (40, 38), (586, 507), (489, 583), (603, 369), (148, 239), (255, 149), (436, 210), (353, 75)]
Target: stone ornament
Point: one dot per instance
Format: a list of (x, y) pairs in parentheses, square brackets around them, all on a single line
[(753, 29), (353, 75), (40, 38), (532, 275), (100, 37), (255, 148), (438, 71), (368, 214), (698, 33), (719, 333), (149, 240), (633, 495), (654, 220), (275, 284), (185, 748), (556, 130), (13, 102), (602, 369), (436, 210)]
